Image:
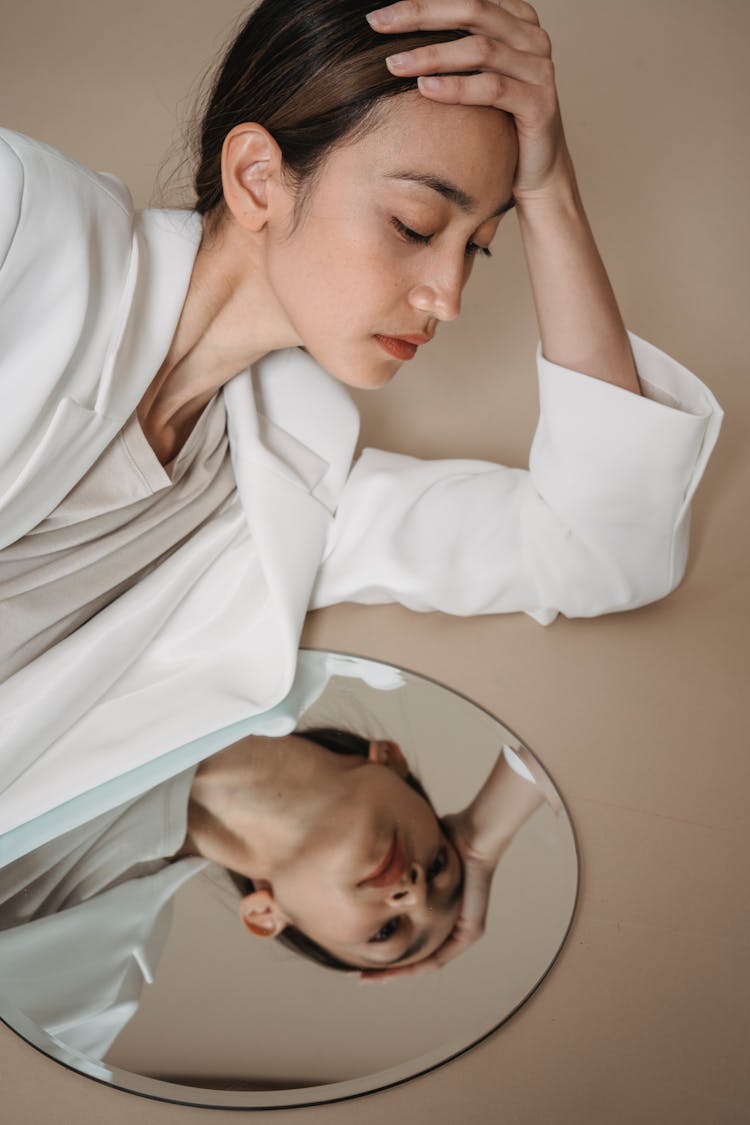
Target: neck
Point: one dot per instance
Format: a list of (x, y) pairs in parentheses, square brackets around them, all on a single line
[(252, 806), (230, 319)]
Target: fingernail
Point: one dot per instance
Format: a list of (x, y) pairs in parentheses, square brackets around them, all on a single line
[(426, 83), (380, 17), (398, 61)]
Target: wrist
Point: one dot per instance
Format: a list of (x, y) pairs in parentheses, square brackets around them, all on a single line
[(559, 193), (483, 841)]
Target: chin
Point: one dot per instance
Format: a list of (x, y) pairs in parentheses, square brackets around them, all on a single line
[(371, 382), (363, 375)]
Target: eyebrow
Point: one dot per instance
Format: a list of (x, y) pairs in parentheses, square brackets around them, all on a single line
[(465, 202), (422, 938)]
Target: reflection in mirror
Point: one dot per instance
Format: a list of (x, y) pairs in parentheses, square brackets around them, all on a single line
[(195, 939)]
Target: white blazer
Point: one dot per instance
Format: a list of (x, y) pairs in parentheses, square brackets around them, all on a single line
[(90, 294), (79, 974)]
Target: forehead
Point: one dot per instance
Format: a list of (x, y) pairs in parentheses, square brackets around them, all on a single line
[(474, 146)]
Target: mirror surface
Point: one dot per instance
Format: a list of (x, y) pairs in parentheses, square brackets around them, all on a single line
[(166, 995)]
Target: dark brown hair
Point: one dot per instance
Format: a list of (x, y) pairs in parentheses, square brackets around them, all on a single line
[(339, 742), (312, 73)]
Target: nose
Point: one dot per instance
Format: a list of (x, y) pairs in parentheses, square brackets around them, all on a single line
[(411, 889), (440, 296)]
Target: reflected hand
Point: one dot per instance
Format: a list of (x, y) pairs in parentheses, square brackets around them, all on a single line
[(511, 54), (470, 924)]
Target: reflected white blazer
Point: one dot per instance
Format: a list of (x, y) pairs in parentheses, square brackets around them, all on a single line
[(90, 294), (79, 974)]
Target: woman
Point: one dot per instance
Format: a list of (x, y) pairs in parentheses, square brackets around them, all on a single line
[(332, 841), (325, 830), (162, 542)]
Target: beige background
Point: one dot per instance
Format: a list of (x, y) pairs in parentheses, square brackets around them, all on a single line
[(640, 718)]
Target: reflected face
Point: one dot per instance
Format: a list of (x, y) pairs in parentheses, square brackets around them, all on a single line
[(377, 881), (390, 232)]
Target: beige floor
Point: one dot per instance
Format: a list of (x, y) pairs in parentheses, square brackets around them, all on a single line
[(641, 718)]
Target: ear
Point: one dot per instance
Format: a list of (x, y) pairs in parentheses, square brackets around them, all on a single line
[(250, 160), (388, 753), (261, 914)]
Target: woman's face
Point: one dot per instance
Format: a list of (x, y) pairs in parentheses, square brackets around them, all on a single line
[(352, 272), (377, 881)]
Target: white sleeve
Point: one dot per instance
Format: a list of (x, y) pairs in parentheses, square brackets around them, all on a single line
[(11, 194), (599, 522), (65, 250)]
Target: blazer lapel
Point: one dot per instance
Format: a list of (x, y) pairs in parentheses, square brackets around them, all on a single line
[(287, 485), (163, 250)]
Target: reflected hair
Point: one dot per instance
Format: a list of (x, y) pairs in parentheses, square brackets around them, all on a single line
[(311, 72), (339, 742)]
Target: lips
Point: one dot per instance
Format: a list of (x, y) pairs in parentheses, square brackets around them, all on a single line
[(414, 338), (400, 349), (391, 867), (403, 347)]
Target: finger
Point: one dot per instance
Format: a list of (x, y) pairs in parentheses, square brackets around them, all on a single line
[(475, 52), (482, 17), (451, 948), (521, 10), (474, 905), (492, 89), (380, 976)]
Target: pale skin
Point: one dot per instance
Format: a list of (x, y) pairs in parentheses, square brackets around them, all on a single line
[(309, 827), (255, 289), (481, 833), (346, 273), (349, 272), (579, 321)]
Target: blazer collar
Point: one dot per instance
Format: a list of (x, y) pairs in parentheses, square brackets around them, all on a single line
[(289, 414), (286, 404), (163, 251), (289, 476)]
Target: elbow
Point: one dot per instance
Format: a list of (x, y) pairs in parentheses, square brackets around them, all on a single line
[(591, 581), (665, 570)]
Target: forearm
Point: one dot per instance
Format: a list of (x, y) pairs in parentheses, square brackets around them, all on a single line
[(503, 804), (579, 322)]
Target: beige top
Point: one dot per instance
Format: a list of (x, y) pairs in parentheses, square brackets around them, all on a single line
[(124, 517)]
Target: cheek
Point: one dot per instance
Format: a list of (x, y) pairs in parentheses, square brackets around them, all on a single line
[(330, 918), (426, 832), (333, 275)]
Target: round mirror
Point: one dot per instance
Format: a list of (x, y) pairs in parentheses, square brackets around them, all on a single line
[(166, 995)]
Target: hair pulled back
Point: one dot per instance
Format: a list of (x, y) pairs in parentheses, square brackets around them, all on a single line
[(311, 72)]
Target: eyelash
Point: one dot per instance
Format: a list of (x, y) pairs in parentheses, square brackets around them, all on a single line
[(424, 239), (387, 931), (438, 865)]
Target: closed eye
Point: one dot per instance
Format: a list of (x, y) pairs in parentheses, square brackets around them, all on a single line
[(438, 865), (410, 235), (392, 926), (387, 931)]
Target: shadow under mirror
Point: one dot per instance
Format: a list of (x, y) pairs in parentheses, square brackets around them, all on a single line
[(128, 941)]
